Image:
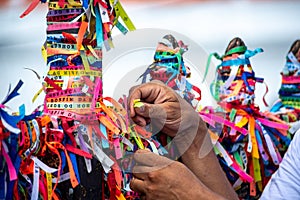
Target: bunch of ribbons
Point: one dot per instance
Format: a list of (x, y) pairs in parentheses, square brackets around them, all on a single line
[(51, 153), (76, 32), (9, 134), (169, 67), (288, 105), (249, 143), (48, 157)]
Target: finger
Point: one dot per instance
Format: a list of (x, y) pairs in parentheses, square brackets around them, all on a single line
[(141, 171), (148, 92), (152, 111), (141, 121), (129, 93), (137, 185), (150, 159), (143, 116), (133, 95), (131, 89)]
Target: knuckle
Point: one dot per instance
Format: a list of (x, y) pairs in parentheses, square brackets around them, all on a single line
[(152, 176), (150, 189), (132, 89), (176, 165)]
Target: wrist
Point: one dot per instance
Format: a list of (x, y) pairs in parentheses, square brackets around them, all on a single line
[(200, 191), (195, 142)]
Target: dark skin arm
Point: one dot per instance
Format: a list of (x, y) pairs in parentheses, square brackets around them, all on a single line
[(176, 118), (157, 177)]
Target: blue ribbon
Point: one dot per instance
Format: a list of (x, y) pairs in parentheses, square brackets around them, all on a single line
[(63, 161), (12, 120), (174, 73), (259, 141), (183, 68), (188, 86), (55, 39), (249, 53), (99, 30), (13, 93), (259, 80), (240, 138), (32, 116), (285, 139), (97, 64), (85, 4), (2, 185), (229, 175), (16, 160), (144, 75), (57, 56), (59, 63), (236, 62), (75, 166), (276, 106), (245, 76), (104, 142), (274, 139)]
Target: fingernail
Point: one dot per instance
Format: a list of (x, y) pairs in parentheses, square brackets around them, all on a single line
[(142, 108)]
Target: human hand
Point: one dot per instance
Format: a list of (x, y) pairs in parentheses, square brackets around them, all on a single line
[(163, 107), (170, 114), (179, 120), (157, 177)]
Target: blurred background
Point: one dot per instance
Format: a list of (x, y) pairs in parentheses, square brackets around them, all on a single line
[(270, 24)]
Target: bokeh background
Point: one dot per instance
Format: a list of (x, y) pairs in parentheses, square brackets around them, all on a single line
[(270, 24)]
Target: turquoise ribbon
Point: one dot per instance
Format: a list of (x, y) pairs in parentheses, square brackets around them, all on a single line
[(99, 29), (217, 56)]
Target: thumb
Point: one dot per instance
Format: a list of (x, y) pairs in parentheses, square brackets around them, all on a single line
[(150, 159), (152, 111)]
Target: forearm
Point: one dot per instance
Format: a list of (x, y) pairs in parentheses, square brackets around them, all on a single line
[(202, 192), (192, 188), (199, 157)]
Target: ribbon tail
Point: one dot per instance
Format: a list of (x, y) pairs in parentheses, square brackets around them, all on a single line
[(30, 8), (264, 97), (14, 92), (250, 53), (216, 55)]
